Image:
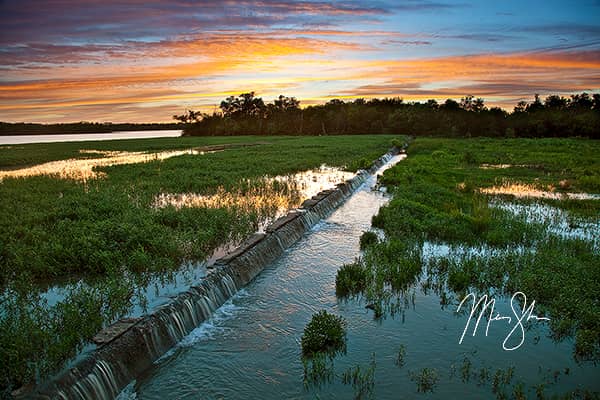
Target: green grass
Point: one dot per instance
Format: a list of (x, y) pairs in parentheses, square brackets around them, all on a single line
[(361, 379), (51, 227), (437, 190), (351, 279), (437, 198), (105, 231), (18, 155)]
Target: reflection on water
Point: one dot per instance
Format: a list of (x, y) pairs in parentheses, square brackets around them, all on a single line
[(65, 316), (83, 169), (281, 192), (531, 191), (308, 183), (555, 220), (269, 198), (505, 166), (265, 201)]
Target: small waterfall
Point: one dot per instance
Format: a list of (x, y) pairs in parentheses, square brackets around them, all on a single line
[(190, 309), (117, 362), (151, 341), (230, 285), (98, 384)]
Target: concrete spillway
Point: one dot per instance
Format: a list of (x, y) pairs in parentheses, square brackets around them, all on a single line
[(131, 346)]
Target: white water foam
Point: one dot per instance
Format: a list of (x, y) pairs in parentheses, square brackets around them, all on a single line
[(209, 328)]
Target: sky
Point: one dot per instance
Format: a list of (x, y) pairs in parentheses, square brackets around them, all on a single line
[(146, 60)]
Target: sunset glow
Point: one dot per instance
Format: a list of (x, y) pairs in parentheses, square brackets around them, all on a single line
[(131, 61)]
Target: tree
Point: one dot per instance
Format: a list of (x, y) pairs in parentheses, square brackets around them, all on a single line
[(450, 105), (245, 105), (251, 106), (283, 104), (189, 117), (521, 107), (581, 101), (555, 102), (536, 105), (246, 114), (432, 103), (478, 105), (230, 106), (596, 98), (335, 103), (469, 103)]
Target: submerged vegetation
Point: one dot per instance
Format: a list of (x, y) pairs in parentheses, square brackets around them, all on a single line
[(350, 279), (426, 379), (323, 339), (444, 234), (361, 379), (75, 255)]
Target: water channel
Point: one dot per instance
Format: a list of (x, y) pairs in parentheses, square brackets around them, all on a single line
[(250, 347)]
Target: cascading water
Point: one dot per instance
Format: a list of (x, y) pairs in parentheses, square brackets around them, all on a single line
[(99, 384), (117, 362)]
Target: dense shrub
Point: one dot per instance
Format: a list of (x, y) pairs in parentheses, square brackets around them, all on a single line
[(367, 239), (325, 333), (350, 279)]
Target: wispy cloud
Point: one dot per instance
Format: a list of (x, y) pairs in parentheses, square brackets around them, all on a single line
[(59, 20), (499, 77), (134, 60), (585, 30), (407, 42)]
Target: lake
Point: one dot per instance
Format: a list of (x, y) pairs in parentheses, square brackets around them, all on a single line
[(85, 137)]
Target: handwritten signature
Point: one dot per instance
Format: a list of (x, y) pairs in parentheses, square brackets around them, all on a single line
[(521, 315)]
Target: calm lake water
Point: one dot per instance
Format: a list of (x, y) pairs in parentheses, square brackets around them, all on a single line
[(24, 139), (250, 348)]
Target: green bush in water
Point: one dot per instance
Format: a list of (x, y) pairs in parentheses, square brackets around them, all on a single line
[(367, 239), (350, 279), (325, 333)]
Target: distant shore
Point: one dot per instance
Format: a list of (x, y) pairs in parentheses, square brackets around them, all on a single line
[(79, 128), (11, 140)]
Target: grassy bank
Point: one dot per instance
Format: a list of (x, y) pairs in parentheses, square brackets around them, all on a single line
[(497, 244), (106, 232)]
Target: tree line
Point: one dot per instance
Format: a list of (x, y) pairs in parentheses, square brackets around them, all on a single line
[(247, 114)]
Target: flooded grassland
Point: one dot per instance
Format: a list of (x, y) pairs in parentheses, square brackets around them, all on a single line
[(403, 292), (94, 231), (514, 247)]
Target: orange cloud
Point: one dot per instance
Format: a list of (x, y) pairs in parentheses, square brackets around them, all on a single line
[(500, 76), (195, 66), (198, 71)]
